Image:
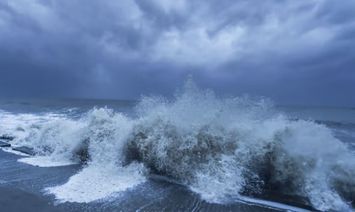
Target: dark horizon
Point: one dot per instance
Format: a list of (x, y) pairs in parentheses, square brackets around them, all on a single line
[(103, 100)]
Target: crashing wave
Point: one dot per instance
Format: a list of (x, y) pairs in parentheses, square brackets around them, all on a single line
[(220, 148)]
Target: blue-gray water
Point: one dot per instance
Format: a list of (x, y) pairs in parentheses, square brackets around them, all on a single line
[(196, 152)]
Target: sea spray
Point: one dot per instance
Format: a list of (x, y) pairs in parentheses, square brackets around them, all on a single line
[(221, 148)]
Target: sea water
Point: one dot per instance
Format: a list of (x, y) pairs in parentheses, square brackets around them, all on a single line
[(223, 149)]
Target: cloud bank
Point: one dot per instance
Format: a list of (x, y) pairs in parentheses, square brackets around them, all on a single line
[(300, 52)]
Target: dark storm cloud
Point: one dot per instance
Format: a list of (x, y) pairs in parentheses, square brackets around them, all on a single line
[(293, 51)]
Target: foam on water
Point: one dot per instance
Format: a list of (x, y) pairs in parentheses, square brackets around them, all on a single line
[(98, 182), (10, 150), (46, 161), (222, 149), (270, 204)]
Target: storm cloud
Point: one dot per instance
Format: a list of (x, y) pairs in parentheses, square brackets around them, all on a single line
[(295, 52)]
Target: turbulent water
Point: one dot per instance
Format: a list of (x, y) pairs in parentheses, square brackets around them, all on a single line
[(221, 148)]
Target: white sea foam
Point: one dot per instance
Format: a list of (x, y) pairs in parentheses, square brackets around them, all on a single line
[(21, 125), (10, 150), (46, 161), (98, 182), (105, 175), (270, 204)]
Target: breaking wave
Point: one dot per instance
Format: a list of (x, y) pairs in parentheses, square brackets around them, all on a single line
[(221, 148)]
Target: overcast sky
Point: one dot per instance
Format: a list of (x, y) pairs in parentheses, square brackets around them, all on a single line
[(293, 51)]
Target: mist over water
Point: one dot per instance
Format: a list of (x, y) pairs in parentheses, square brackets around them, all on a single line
[(221, 148)]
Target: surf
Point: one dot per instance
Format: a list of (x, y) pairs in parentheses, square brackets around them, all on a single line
[(223, 149)]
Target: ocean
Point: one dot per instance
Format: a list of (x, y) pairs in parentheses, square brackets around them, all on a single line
[(193, 152)]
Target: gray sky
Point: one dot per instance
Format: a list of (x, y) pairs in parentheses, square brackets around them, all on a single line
[(295, 52)]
